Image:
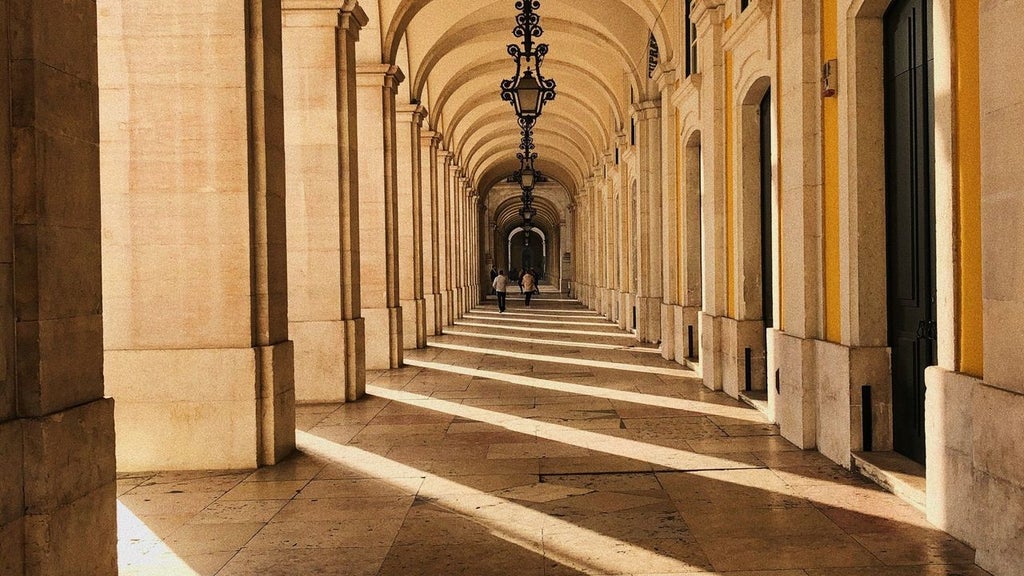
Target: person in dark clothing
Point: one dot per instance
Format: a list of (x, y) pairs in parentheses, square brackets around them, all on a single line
[(494, 274)]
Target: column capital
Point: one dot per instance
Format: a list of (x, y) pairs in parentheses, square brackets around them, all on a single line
[(647, 110), (386, 75), (414, 113), (430, 138), (665, 75)]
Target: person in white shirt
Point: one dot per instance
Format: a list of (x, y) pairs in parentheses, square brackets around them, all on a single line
[(500, 284)]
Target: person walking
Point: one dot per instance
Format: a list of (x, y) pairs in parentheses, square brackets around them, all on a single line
[(499, 284), (528, 285), (494, 274)]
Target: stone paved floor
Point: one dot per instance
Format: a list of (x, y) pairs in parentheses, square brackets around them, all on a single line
[(537, 442)]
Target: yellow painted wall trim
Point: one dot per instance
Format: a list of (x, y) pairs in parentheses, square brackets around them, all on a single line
[(967, 179), (830, 188), (730, 224)]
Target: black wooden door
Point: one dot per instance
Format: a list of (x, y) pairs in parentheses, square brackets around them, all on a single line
[(910, 216), (767, 302)]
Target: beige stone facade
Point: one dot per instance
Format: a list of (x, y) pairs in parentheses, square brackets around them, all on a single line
[(215, 212)]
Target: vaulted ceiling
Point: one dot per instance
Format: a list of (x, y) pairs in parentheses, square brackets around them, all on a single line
[(454, 55)]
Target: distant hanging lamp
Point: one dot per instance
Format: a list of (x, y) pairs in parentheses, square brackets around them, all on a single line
[(528, 90)]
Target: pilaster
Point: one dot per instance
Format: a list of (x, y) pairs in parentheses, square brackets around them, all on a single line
[(378, 214), (57, 468), (429, 141), (320, 120), (649, 220), (410, 225), (195, 274)]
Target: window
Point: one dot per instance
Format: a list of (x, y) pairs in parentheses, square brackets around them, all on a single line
[(691, 41)]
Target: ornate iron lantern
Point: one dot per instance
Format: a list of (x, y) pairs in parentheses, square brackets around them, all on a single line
[(528, 89)]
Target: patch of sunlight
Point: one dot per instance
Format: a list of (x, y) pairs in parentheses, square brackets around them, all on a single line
[(679, 372), (593, 345), (706, 408), (606, 324), (521, 299), (594, 316), (572, 546), (549, 330), (141, 552), (671, 458)]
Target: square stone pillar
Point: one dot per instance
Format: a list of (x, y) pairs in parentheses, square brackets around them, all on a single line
[(194, 249), (378, 215), (323, 240), (649, 268), (429, 141), (57, 476), (445, 234), (410, 226)]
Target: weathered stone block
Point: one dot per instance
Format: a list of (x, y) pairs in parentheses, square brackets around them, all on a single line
[(76, 538), (668, 331), (169, 401), (832, 373), (999, 524), (319, 364), (68, 455), (12, 547), (12, 494), (60, 363), (997, 421), (794, 402)]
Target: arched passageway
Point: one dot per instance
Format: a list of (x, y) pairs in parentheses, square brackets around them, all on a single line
[(224, 222)]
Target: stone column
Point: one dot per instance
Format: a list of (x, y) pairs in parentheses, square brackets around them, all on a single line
[(57, 470), (195, 271), (444, 159), (648, 115), (429, 141), (622, 231), (323, 241), (410, 226), (378, 214), (459, 202), (665, 77), (710, 26), (998, 405)]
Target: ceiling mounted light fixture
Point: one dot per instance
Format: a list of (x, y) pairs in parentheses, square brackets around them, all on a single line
[(528, 90)]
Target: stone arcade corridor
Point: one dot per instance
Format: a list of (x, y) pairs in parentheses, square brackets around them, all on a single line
[(544, 441)]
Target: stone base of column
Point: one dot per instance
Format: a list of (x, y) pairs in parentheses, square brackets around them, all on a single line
[(276, 402), (814, 394), (353, 348), (737, 373), (59, 493), (648, 319), (383, 337), (460, 302), (435, 319), (414, 324), (608, 296), (687, 335), (711, 350), (421, 323), (949, 437), (625, 311), (669, 330), (319, 369), (167, 399), (449, 307)]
